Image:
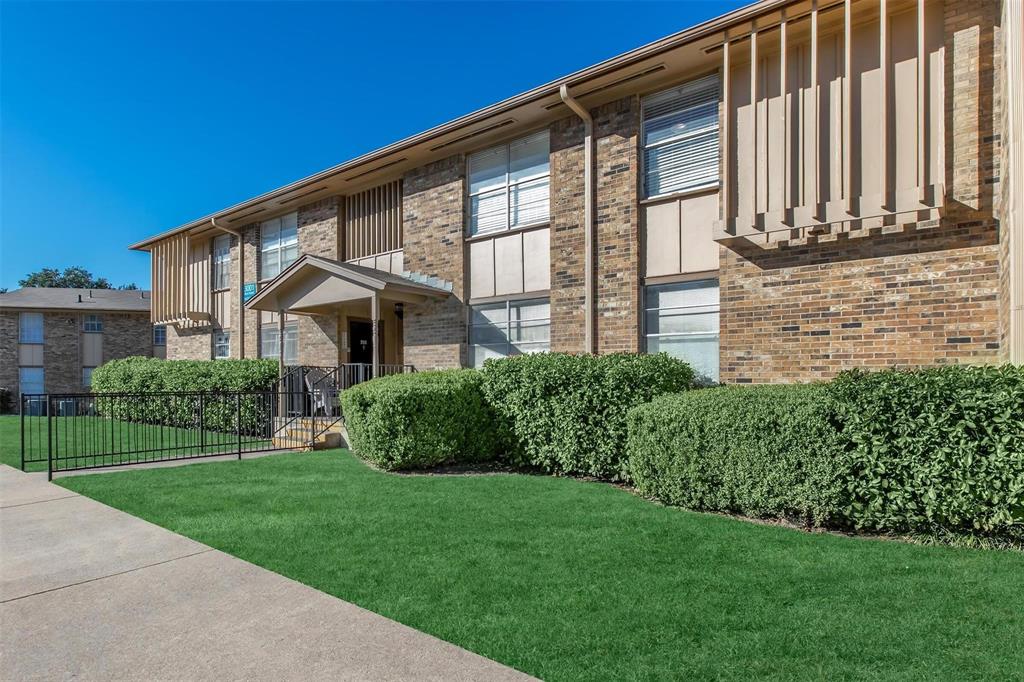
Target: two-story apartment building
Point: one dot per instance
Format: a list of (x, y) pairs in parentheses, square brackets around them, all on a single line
[(780, 193), (51, 339)]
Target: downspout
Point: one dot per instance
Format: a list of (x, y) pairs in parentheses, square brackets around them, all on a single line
[(588, 214), (241, 274)]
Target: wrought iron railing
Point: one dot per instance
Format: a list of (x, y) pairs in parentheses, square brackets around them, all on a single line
[(64, 432)]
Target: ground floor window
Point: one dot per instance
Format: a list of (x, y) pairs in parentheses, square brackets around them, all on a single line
[(222, 345), (87, 376), (681, 319), (506, 328), (30, 380), (159, 335), (269, 346)]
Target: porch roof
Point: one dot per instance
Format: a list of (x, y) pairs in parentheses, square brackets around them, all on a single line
[(313, 285)]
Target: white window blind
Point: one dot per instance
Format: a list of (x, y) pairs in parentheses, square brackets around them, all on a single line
[(222, 345), (509, 328), (682, 320), (509, 185), (680, 137), (279, 244), (269, 343), (30, 328), (222, 262)]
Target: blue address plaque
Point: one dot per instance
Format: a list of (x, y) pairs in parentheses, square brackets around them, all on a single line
[(248, 291)]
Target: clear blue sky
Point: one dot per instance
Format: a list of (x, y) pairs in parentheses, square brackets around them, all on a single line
[(120, 120)]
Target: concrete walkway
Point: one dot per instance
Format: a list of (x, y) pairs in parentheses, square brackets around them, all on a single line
[(89, 592)]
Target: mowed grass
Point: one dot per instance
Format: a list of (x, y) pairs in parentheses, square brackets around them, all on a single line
[(569, 580), (96, 441)]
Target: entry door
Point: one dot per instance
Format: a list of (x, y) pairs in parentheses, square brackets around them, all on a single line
[(360, 334)]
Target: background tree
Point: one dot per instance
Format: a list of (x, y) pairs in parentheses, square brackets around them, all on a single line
[(75, 277)]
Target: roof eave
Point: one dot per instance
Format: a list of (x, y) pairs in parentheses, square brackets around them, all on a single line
[(551, 88)]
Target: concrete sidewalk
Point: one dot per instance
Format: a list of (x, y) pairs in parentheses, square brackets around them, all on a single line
[(89, 592)]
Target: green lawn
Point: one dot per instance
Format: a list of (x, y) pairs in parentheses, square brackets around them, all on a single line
[(566, 579), (97, 441)]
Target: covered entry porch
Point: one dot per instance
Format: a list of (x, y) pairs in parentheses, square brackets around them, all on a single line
[(364, 306)]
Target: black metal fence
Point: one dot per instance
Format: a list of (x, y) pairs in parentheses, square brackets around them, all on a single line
[(64, 432)]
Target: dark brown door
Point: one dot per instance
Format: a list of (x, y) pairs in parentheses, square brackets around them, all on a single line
[(360, 335)]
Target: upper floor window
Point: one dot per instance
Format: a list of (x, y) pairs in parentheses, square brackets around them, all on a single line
[(279, 244), (509, 185), (680, 137), (159, 335), (93, 323), (30, 328), (222, 262)]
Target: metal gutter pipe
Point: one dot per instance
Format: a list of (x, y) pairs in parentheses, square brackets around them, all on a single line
[(588, 214)]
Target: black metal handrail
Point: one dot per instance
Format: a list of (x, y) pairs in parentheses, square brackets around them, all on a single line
[(71, 431)]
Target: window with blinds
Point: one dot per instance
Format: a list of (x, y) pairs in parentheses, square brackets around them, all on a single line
[(279, 244), (680, 137), (373, 221), (509, 185)]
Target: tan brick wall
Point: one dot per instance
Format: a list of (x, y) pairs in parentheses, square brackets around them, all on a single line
[(189, 344), (433, 213), (9, 352), (62, 352), (616, 129), (126, 334), (806, 310), (318, 236), (914, 295)]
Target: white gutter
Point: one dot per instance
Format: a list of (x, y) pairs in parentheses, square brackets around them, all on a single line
[(588, 215)]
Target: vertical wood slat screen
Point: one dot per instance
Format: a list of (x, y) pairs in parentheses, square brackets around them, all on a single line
[(180, 270), (373, 221), (830, 120)]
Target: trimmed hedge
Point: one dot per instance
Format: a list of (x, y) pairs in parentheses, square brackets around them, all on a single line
[(140, 375), (937, 452), (567, 413), (420, 420), (762, 451)]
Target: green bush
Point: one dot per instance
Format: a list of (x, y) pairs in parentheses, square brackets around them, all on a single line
[(764, 451), (147, 376), (139, 374), (935, 451), (567, 413), (421, 420)]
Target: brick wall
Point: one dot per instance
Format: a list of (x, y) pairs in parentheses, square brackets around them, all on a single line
[(126, 334), (62, 352), (189, 344), (617, 265), (908, 295), (805, 310), (318, 236), (433, 214), (9, 352)]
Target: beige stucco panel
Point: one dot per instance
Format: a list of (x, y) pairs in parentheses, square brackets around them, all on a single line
[(537, 260), (92, 350), (30, 354)]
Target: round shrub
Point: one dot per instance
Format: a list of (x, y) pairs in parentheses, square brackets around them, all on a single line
[(935, 451), (421, 420), (567, 413), (761, 451)]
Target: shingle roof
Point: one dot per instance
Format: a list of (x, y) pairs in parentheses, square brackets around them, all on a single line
[(52, 298)]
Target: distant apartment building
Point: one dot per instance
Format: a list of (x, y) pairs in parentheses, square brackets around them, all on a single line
[(778, 194), (51, 339)]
